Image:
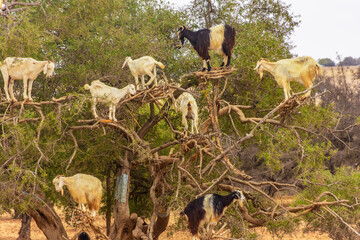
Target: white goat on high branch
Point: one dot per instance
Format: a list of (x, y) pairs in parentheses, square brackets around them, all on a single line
[(300, 69), (189, 110), (143, 66), (14, 68), (84, 188), (100, 92)]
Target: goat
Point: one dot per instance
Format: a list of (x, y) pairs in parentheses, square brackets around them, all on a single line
[(143, 66), (220, 39), (103, 93), (85, 189), (13, 68), (300, 69), (208, 210), (189, 110), (83, 236)]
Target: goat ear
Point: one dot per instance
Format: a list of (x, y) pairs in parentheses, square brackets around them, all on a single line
[(61, 185), (258, 64), (45, 67), (125, 63), (181, 28)]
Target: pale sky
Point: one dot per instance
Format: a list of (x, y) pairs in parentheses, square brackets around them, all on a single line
[(327, 27)]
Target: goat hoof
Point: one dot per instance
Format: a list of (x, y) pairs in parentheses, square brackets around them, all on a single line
[(222, 64), (203, 70), (209, 69)]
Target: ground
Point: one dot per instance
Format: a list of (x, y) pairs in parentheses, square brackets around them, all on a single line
[(9, 229)]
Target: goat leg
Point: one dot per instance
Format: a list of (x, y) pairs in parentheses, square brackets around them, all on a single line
[(25, 80), (11, 89), (29, 89)]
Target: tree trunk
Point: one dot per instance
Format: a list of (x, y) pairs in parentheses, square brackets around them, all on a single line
[(24, 233), (17, 214), (108, 203), (122, 226), (47, 219), (160, 224)]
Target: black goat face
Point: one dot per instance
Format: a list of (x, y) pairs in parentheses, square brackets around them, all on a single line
[(238, 195), (180, 34)]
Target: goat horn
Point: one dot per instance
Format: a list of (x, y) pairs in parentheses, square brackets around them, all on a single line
[(52, 58)]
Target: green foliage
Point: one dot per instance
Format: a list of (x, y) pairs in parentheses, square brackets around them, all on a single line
[(344, 185), (326, 62), (90, 41)]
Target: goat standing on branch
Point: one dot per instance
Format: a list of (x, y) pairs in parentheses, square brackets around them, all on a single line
[(103, 93), (13, 68), (220, 39), (189, 110), (208, 210), (143, 66), (85, 189), (300, 69)]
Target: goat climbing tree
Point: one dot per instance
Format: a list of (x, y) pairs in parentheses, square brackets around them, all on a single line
[(43, 139), (249, 139)]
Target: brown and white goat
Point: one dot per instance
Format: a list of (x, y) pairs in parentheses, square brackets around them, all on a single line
[(100, 92), (143, 66), (300, 69), (84, 188), (14, 68), (189, 110)]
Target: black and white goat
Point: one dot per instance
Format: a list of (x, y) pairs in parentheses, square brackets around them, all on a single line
[(220, 39), (208, 209)]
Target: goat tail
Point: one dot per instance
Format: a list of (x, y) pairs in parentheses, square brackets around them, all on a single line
[(87, 86), (319, 70), (162, 66)]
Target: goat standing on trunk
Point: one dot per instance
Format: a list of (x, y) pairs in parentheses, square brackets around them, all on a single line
[(14, 68), (301, 69), (189, 110), (220, 39)]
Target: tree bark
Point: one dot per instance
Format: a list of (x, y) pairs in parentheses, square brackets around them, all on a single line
[(108, 203), (47, 219), (160, 225), (122, 226), (24, 233)]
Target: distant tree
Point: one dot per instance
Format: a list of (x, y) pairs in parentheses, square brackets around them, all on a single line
[(349, 61), (358, 61), (327, 62)]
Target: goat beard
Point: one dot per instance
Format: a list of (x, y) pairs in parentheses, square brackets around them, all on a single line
[(182, 40)]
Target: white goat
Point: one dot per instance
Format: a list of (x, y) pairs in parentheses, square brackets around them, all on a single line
[(189, 110), (140, 67), (14, 68), (85, 189), (300, 69), (103, 93)]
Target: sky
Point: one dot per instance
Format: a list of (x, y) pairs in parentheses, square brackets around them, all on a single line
[(328, 28)]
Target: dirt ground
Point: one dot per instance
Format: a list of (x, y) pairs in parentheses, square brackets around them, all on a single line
[(9, 229)]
